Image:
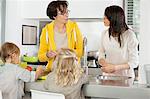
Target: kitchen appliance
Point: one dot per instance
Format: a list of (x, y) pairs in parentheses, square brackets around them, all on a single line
[(92, 58)]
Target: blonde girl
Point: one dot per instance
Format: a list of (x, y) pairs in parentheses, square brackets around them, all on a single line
[(67, 77)]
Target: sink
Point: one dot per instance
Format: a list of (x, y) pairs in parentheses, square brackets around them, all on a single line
[(114, 80)]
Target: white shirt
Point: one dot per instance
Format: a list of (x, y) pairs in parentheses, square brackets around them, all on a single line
[(126, 54)]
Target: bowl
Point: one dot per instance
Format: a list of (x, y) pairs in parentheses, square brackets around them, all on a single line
[(30, 59)]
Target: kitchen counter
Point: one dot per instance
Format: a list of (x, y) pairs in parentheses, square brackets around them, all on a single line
[(120, 89)]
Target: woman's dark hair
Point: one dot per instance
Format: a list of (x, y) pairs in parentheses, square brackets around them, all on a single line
[(54, 6), (116, 16)]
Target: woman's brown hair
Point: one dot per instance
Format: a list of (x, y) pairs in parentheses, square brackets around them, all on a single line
[(116, 16), (55, 6)]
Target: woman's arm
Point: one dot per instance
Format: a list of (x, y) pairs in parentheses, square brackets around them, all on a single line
[(133, 60), (110, 68)]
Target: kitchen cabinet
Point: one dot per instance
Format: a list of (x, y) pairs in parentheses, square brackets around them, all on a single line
[(34, 8), (78, 8), (90, 8)]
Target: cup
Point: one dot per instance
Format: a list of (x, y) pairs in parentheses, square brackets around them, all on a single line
[(147, 72)]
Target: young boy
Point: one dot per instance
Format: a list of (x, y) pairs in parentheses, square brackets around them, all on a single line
[(11, 75)]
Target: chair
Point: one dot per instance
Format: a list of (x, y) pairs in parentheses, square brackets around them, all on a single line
[(0, 94), (35, 94)]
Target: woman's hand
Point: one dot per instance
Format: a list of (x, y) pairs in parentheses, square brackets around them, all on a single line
[(102, 62), (108, 68), (51, 54)]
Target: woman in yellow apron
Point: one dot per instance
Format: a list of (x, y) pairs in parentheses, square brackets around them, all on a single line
[(60, 33)]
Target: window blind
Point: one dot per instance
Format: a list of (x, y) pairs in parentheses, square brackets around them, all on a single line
[(133, 14)]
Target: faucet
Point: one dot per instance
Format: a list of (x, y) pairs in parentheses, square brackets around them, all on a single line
[(85, 55)]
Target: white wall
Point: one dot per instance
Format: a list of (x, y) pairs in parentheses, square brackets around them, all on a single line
[(14, 22), (144, 38), (78, 8), (0, 19), (90, 8), (92, 31)]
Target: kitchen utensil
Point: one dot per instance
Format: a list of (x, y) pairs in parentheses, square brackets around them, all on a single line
[(93, 54)]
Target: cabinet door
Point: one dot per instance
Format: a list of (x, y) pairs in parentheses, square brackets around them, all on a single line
[(34, 8), (78, 8), (90, 8)]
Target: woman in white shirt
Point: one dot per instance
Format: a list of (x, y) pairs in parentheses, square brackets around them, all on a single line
[(118, 50)]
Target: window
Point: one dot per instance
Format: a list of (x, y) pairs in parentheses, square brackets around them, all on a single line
[(133, 14)]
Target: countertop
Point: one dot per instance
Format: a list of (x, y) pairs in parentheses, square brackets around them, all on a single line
[(122, 89)]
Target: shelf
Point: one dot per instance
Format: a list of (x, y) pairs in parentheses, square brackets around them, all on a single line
[(37, 63)]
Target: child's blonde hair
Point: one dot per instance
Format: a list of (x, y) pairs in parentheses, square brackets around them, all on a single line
[(7, 49), (68, 70)]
